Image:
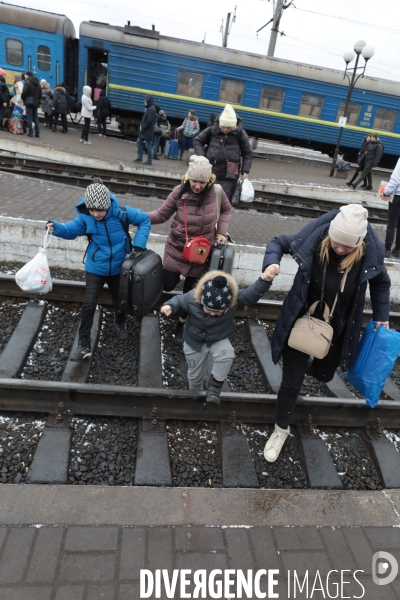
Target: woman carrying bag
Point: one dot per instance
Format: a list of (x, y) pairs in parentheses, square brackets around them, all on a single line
[(194, 204), (337, 254)]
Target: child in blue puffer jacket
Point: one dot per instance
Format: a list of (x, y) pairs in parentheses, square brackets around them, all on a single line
[(101, 218)]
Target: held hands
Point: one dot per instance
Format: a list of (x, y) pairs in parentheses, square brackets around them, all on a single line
[(166, 310), (221, 239), (270, 272), (50, 226), (384, 324), (244, 175)]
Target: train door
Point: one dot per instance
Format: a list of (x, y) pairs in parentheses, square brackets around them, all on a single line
[(43, 63), (97, 71)]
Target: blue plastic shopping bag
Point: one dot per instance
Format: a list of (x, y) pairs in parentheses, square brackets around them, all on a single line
[(376, 353)]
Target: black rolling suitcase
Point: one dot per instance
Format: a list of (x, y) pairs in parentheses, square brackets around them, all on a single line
[(222, 257), (141, 283)]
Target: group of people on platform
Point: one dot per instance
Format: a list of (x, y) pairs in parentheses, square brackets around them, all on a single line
[(30, 94), (224, 142), (338, 255)]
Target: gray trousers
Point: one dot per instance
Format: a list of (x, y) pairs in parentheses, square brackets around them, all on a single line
[(222, 354)]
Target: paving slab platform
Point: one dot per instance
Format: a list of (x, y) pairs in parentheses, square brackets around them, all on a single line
[(87, 542)]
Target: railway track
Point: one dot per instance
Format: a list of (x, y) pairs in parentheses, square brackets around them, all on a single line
[(140, 184), (156, 416)]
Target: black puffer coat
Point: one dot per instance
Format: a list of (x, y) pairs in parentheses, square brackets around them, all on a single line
[(4, 93), (103, 105), (60, 102), (237, 148), (301, 246), (148, 120), (32, 88)]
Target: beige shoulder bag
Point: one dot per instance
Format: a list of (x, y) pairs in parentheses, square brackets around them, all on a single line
[(314, 336)]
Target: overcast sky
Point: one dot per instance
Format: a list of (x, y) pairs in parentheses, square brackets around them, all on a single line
[(316, 31)]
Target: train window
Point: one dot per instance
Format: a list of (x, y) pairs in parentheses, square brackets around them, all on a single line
[(190, 84), (231, 91), (353, 112), (43, 58), (271, 98), (310, 106), (14, 52), (385, 119)]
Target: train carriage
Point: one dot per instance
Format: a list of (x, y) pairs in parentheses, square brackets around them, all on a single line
[(276, 98), (42, 42)]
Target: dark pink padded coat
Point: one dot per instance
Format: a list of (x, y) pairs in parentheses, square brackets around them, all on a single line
[(200, 221)]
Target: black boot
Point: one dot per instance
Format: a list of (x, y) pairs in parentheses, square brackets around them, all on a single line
[(179, 333), (214, 390), (83, 351)]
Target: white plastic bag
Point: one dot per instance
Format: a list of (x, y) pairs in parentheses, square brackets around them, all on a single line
[(247, 194), (35, 275)]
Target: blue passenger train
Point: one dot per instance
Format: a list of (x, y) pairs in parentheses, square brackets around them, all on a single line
[(277, 99)]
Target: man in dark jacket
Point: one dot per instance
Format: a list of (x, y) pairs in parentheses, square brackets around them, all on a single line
[(60, 107), (146, 134), (31, 96), (4, 96), (373, 155), (227, 147)]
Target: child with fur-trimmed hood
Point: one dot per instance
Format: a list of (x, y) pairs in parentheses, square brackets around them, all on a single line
[(211, 308)]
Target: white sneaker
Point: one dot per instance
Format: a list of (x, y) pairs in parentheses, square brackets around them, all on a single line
[(274, 445), (87, 142), (81, 140)]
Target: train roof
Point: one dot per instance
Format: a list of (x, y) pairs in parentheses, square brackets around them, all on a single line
[(36, 19), (151, 39)]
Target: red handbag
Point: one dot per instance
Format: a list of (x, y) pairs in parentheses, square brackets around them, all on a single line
[(197, 249)]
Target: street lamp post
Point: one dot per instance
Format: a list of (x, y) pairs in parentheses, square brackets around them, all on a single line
[(367, 53)]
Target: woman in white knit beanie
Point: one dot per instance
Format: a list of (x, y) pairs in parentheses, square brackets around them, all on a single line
[(338, 255), (227, 147)]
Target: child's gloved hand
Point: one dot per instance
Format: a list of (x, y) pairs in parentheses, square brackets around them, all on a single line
[(166, 310)]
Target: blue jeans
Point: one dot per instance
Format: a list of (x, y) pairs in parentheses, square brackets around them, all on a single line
[(149, 148), (32, 115), (156, 142), (186, 143)]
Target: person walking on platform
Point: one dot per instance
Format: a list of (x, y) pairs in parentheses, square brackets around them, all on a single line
[(4, 97), (190, 128), (392, 193), (59, 106), (31, 95), (211, 309), (160, 127), (18, 87), (373, 155), (361, 162), (101, 218), (338, 255), (227, 147), (146, 133), (194, 204), (86, 112), (103, 111), (46, 102)]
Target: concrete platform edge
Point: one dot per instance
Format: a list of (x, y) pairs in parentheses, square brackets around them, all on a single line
[(136, 506)]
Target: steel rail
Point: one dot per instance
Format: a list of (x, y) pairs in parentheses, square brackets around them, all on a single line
[(141, 184), (74, 291), (137, 402)]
